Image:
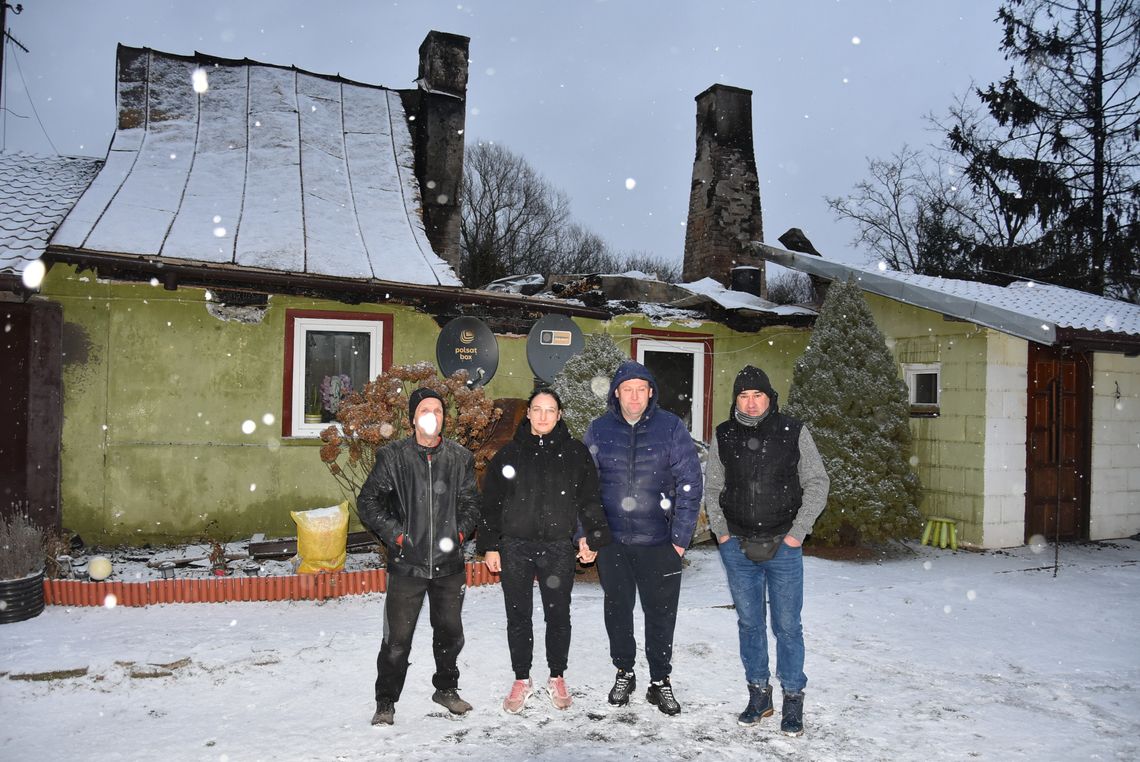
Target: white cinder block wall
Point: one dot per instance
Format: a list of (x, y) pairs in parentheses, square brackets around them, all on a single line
[(1004, 499), (1115, 490)]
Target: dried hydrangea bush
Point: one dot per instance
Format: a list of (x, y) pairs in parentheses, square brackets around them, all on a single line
[(378, 414)]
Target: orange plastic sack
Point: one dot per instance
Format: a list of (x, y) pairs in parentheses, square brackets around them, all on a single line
[(322, 538)]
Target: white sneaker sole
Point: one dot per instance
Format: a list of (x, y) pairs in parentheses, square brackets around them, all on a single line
[(520, 707), (554, 702)]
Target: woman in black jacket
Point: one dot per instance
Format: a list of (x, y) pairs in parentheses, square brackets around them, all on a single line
[(540, 492)]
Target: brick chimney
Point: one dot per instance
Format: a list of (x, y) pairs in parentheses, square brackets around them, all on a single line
[(438, 109), (724, 204)]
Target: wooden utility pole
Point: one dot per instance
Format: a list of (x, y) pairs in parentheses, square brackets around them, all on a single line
[(17, 9)]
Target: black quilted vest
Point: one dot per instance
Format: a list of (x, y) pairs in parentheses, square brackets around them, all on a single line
[(762, 492)]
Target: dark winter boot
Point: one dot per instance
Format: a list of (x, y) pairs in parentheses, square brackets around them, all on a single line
[(759, 705), (450, 700), (660, 694), (624, 684), (793, 710), (385, 713)]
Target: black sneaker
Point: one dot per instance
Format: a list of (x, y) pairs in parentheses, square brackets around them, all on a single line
[(450, 700), (793, 710), (624, 684), (660, 694), (385, 713), (759, 705)]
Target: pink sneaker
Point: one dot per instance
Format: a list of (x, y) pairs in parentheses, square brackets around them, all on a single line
[(559, 693), (516, 699)]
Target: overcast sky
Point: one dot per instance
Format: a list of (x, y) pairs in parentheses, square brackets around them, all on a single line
[(592, 92)]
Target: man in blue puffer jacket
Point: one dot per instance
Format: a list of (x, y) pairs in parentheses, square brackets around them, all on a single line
[(650, 479)]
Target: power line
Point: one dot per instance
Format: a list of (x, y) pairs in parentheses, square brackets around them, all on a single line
[(31, 102)]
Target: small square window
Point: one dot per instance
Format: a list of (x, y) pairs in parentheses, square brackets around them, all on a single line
[(328, 355), (923, 383)]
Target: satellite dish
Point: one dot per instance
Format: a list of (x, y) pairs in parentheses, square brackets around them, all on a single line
[(552, 341), (466, 343)]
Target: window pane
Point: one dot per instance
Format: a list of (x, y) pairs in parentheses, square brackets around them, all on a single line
[(926, 388), (336, 362)]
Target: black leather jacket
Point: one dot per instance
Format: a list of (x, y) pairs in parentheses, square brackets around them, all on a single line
[(426, 498)]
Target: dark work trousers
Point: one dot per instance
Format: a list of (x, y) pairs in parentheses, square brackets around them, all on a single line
[(402, 604), (653, 573), (553, 564)]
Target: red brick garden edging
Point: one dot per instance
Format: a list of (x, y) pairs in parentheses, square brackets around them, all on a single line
[(294, 587)]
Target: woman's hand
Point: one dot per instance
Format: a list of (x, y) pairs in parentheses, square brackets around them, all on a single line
[(585, 555), (493, 561)]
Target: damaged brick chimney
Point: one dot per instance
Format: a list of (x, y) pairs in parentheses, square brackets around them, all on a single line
[(724, 204), (438, 109)]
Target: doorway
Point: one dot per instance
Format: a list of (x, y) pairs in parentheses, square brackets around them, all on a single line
[(31, 393), (1058, 457), (679, 368)]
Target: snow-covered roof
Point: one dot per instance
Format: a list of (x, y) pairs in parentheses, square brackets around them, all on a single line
[(517, 284), (656, 299), (269, 167), (1033, 311), (35, 194), (710, 290)]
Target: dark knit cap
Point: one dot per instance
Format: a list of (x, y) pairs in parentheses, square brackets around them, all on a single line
[(752, 377), (418, 396)]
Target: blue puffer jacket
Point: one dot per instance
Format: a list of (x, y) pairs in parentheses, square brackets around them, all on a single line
[(649, 472)]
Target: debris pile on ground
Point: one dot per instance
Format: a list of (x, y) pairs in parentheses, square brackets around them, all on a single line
[(253, 557)]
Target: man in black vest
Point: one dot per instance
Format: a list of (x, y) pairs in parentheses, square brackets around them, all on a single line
[(765, 485)]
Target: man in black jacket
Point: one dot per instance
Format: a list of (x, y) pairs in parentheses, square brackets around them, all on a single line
[(537, 490), (765, 485), (421, 501)]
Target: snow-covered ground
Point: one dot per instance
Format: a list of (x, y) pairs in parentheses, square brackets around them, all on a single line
[(928, 655)]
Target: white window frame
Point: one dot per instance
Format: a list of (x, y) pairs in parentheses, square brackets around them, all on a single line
[(301, 326), (911, 372), (695, 348)]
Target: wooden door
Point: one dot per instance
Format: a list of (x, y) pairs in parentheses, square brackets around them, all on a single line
[(32, 419), (1058, 439)]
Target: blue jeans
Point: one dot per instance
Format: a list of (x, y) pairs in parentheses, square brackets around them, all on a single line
[(782, 579)]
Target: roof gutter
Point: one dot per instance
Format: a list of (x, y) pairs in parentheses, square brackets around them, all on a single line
[(174, 274)]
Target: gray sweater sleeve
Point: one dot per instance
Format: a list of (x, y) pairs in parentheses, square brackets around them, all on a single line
[(814, 482), (714, 484)]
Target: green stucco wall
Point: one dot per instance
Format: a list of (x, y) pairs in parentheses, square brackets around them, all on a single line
[(774, 349), (949, 450), (156, 391)]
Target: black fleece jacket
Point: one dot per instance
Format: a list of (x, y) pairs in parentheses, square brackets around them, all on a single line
[(541, 488)]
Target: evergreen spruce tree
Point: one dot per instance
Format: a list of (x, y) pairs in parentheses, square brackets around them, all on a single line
[(846, 388), (584, 382)]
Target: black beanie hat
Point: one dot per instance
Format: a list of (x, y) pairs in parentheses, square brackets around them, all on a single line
[(751, 377), (418, 396)]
